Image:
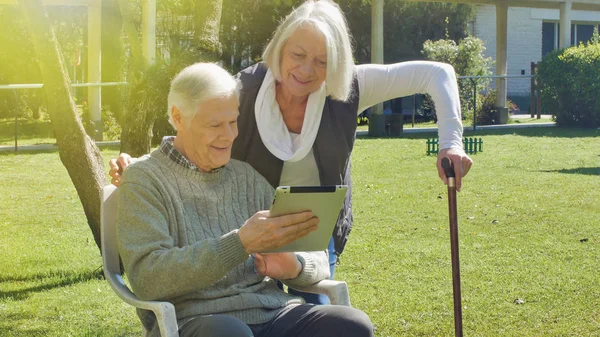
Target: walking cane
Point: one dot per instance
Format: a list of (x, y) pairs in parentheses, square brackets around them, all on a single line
[(449, 171)]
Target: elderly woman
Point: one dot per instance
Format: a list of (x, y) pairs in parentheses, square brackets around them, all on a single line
[(298, 108), (191, 227)]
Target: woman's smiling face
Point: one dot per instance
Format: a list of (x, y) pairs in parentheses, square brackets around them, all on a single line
[(303, 62)]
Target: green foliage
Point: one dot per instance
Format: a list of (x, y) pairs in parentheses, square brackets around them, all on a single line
[(29, 131), (406, 26), (86, 119), (246, 28), (468, 59), (362, 120), (112, 128), (18, 62), (487, 111), (155, 88), (17, 65), (571, 84)]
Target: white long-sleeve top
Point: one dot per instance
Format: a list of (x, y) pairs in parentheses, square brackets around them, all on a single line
[(378, 83)]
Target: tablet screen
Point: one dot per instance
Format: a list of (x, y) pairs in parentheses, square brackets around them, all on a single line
[(324, 201)]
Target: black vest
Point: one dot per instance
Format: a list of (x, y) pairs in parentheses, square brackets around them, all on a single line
[(332, 147)]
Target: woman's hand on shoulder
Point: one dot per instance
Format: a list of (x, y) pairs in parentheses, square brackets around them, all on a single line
[(460, 161), (117, 166)]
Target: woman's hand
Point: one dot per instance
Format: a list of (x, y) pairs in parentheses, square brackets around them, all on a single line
[(262, 232), (460, 161), (117, 166), (281, 266)]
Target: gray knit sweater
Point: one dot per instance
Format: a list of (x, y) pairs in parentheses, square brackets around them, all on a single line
[(178, 238)]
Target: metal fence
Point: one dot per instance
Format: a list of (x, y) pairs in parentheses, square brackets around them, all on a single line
[(474, 80), (15, 87)]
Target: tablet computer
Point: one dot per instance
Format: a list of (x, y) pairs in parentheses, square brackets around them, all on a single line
[(324, 201)]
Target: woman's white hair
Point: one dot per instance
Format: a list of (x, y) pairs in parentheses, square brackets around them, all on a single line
[(196, 84), (327, 18)]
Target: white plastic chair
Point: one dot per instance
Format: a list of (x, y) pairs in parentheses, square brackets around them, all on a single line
[(337, 291)]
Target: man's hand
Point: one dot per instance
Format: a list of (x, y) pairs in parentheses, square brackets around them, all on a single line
[(460, 161), (117, 166), (263, 232), (280, 266)]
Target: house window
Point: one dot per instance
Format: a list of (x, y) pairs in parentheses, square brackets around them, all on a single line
[(551, 35), (584, 33), (548, 37)]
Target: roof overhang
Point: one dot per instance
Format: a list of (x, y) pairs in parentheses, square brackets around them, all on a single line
[(583, 5)]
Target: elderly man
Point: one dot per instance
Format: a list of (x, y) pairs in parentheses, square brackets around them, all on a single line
[(192, 224)]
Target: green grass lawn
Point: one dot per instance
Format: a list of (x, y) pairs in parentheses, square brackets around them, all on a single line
[(528, 224)]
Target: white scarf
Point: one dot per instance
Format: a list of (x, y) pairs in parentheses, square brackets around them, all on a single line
[(272, 129)]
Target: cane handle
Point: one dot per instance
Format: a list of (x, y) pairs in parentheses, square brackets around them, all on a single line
[(447, 166)]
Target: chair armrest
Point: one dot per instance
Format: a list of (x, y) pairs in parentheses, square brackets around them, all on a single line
[(164, 311), (337, 291)]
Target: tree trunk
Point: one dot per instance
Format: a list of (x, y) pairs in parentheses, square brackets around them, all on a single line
[(77, 151), (206, 28)]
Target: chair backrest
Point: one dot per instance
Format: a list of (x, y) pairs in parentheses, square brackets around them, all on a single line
[(164, 311), (108, 222)]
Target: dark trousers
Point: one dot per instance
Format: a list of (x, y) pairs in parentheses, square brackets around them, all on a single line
[(300, 321)]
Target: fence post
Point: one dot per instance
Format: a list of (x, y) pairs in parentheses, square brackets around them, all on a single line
[(539, 97), (532, 91), (474, 103), (16, 119)]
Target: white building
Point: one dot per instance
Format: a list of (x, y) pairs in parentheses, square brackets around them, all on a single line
[(531, 34)]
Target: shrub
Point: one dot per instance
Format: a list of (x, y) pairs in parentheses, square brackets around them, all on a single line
[(487, 111), (570, 81), (486, 108), (112, 128), (468, 59)]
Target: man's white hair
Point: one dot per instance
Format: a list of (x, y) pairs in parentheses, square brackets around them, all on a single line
[(327, 18), (196, 84)]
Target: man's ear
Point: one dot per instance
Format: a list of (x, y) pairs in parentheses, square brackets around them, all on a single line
[(177, 118)]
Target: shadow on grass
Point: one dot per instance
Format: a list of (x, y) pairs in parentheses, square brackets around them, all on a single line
[(592, 171), (555, 132), (50, 280)]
